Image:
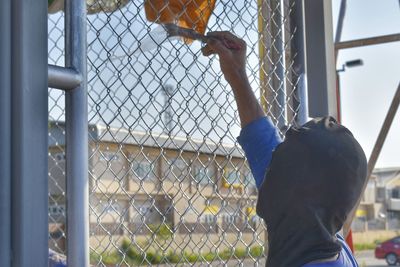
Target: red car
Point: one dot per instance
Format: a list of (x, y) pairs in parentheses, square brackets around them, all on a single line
[(389, 250)]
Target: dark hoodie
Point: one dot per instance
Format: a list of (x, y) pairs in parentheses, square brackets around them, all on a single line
[(313, 181)]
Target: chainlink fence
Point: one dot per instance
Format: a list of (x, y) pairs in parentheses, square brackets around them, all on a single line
[(169, 183)]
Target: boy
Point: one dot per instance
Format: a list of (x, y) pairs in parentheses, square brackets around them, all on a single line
[(312, 179)]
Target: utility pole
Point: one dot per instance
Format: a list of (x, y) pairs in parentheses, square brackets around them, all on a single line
[(168, 91)]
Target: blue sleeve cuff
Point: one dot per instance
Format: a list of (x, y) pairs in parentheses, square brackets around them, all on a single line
[(258, 139)]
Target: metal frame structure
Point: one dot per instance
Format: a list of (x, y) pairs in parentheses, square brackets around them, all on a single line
[(298, 44), (272, 37), (5, 133), (24, 235), (319, 54), (24, 79), (389, 116), (77, 137), (313, 53)]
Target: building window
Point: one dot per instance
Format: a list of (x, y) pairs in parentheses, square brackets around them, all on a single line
[(56, 210), (144, 170), (110, 208), (147, 212), (210, 214), (249, 180), (177, 169), (203, 174), (250, 183), (395, 193), (229, 218), (59, 157), (208, 219), (252, 218), (232, 178), (112, 211)]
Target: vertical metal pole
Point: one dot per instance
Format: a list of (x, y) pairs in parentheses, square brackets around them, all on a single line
[(339, 25), (77, 138), (272, 59), (277, 29), (320, 58), (29, 131), (5, 133), (299, 60), (277, 51)]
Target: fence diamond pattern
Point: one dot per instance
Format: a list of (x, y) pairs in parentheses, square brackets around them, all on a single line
[(168, 182)]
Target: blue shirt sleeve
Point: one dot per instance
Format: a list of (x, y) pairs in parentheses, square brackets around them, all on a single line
[(258, 139), (57, 259)]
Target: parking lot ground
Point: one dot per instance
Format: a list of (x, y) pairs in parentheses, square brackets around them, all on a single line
[(366, 258)]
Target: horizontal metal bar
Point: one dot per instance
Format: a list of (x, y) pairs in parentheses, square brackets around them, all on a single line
[(368, 41), (63, 78)]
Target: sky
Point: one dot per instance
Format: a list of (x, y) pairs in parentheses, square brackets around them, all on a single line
[(367, 91), (125, 91), (125, 85)]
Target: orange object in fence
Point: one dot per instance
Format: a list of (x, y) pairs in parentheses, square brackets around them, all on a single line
[(193, 14)]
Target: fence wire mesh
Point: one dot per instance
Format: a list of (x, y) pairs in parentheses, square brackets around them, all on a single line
[(168, 182)]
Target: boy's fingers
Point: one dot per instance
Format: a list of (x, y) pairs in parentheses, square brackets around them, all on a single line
[(207, 50), (230, 40), (222, 34), (218, 47)]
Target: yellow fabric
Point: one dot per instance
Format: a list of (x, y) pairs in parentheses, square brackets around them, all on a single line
[(193, 14)]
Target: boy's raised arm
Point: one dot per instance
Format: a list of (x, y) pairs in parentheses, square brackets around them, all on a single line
[(258, 137), (232, 56)]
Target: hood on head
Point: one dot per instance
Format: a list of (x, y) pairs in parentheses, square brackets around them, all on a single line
[(314, 179)]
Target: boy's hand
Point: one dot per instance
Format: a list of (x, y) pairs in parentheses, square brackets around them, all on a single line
[(232, 58), (231, 51)]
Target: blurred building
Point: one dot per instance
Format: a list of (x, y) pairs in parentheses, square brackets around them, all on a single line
[(142, 182), (380, 205)]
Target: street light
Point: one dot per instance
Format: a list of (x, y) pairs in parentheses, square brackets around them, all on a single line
[(347, 64), (351, 64)]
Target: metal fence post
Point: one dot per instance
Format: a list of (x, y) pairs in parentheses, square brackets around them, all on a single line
[(77, 138), (29, 124), (320, 58), (5, 133), (272, 50), (299, 60)]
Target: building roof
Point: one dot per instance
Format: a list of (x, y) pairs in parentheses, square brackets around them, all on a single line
[(386, 170), (102, 133), (387, 176)]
